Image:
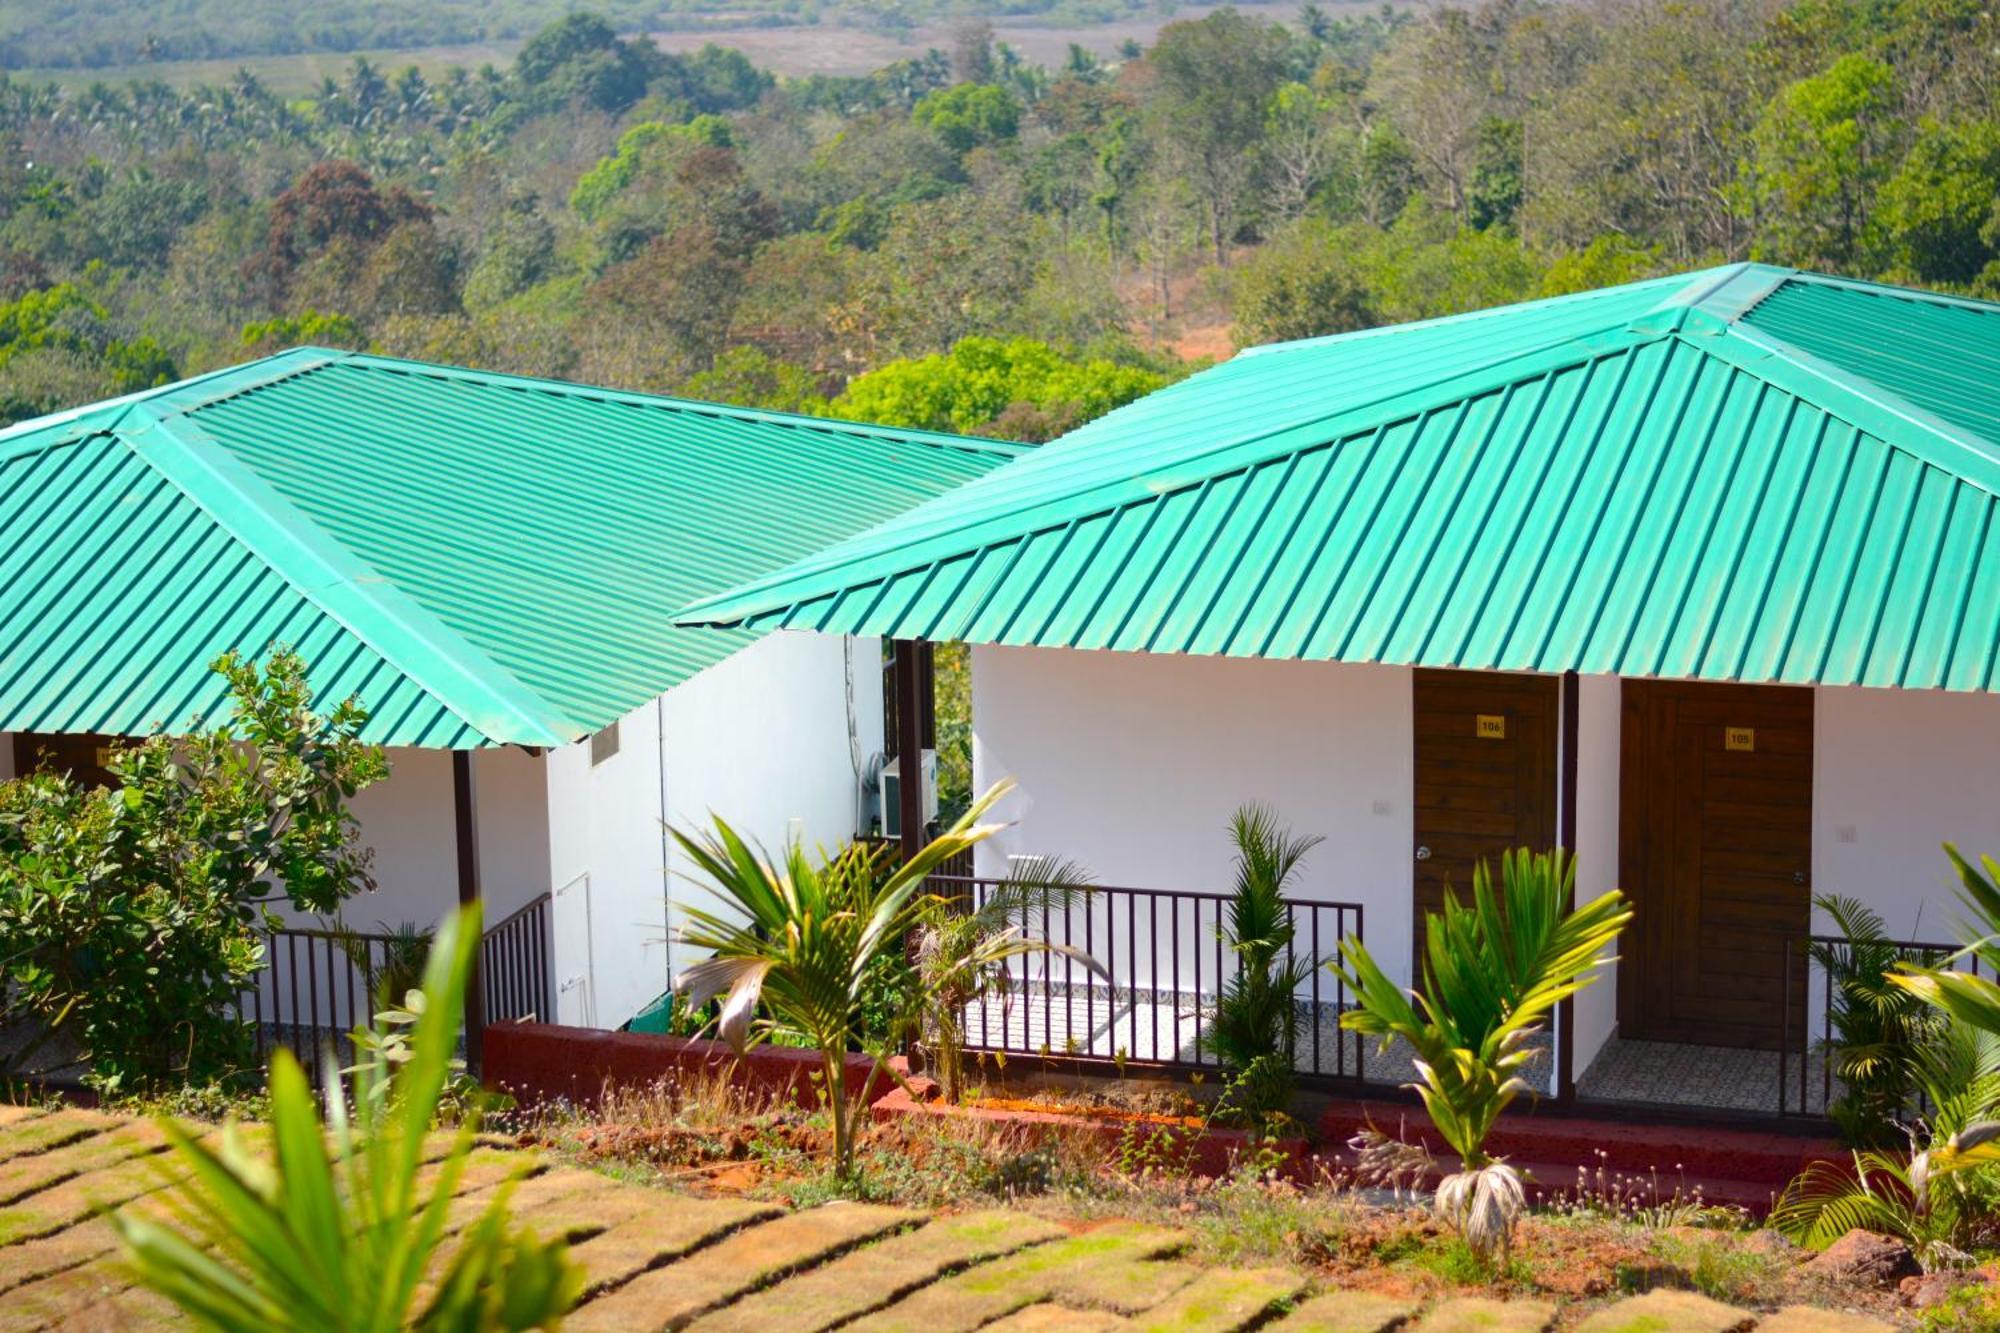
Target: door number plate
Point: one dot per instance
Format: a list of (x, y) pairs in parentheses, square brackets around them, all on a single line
[(1490, 726), (1739, 738)]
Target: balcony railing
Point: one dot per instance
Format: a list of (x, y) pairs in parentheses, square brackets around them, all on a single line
[(1165, 953), (316, 985)]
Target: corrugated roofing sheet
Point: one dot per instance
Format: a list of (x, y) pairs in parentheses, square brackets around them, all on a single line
[(1738, 474), (481, 558)]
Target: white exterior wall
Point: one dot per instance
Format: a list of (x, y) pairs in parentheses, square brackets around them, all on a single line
[(1597, 764), (1895, 774), (407, 820), (1132, 764), (762, 739)]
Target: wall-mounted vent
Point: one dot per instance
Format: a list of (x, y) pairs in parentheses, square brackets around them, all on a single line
[(603, 745)]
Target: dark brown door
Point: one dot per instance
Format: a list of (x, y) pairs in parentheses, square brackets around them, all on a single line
[(1485, 775), (82, 756), (1715, 850)]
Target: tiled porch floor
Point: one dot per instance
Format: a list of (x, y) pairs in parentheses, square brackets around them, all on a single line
[(1705, 1077), (1163, 1026)]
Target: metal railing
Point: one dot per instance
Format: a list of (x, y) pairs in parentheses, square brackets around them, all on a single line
[(516, 973), (1808, 1045), (318, 985), (1165, 953)]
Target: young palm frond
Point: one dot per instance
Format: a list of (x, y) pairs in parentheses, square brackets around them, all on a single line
[(1256, 1018), (1931, 1197), (345, 1228), (1492, 972), (1880, 1025), (794, 945), (963, 950)]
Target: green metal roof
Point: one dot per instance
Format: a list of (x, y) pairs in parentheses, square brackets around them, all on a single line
[(1747, 473), (482, 558)]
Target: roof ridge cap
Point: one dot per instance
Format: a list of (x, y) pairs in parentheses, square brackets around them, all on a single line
[(483, 694), (1547, 358), (672, 403), (1881, 411)]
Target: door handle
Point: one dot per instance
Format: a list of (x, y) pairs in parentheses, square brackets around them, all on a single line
[(1423, 853), (1798, 877)]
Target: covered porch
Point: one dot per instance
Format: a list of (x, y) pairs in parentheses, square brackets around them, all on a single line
[(1721, 809), (1692, 576)]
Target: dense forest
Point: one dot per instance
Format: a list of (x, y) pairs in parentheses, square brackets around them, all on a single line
[(971, 241)]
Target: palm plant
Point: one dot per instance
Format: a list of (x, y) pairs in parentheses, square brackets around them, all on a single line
[(962, 951), (405, 948), (797, 948), (1928, 1197), (340, 1232), (1879, 1025), (1492, 971), (1256, 1017)]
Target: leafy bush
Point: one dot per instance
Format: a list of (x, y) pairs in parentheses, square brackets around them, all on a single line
[(342, 1230), (132, 916), (1939, 1195)]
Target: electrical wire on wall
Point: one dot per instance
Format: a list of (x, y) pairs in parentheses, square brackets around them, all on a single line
[(853, 736)]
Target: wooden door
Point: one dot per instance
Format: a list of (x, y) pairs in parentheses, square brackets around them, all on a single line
[(81, 755), (1485, 776), (1715, 849)]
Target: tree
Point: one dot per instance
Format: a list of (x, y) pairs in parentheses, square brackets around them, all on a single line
[(1493, 192), (964, 941), (1302, 285), (580, 57), (968, 388), (1214, 78), (131, 917), (335, 239), (1819, 153), (1435, 82), (683, 229), (60, 347), (969, 115), (308, 328), (1939, 214), (1302, 141), (945, 268), (750, 377), (1646, 142)]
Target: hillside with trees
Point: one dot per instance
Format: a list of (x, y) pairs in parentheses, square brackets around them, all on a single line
[(970, 241)]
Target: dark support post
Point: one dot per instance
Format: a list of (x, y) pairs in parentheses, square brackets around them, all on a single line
[(466, 834), (1566, 839), (910, 743)]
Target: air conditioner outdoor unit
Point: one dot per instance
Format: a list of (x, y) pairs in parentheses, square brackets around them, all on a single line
[(892, 793)]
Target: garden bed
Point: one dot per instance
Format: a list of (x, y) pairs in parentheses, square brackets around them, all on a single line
[(536, 1062), (1137, 1135)]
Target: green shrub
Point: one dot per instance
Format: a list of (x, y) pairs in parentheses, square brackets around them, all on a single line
[(132, 916)]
